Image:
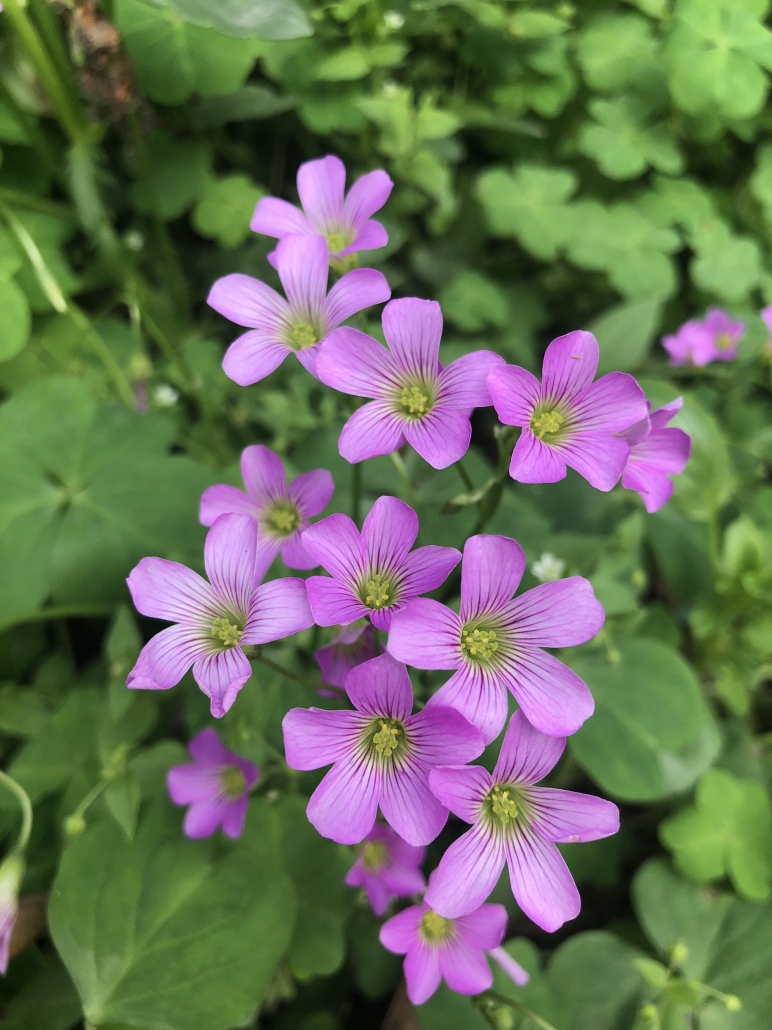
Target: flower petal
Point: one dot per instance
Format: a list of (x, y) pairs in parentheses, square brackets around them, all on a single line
[(203, 817), (610, 405), (312, 492), (344, 805), (464, 382), (559, 614), (569, 817), (335, 543), (534, 461), (320, 187), (355, 363), (355, 291), (165, 659), (333, 603), (426, 635), (207, 747), (164, 589), (267, 549), (600, 459), (400, 933), (253, 357), (371, 432), (490, 574), (464, 968), (381, 687), (438, 731), (422, 972), (480, 695), (570, 364), (413, 329), (368, 195), (193, 782), (543, 887), (388, 532), (249, 302), (234, 816), (229, 558), (371, 236), (303, 266), (660, 418), (314, 737), (221, 676), (427, 568), (553, 698), (526, 755), (485, 927), (408, 804), (467, 873), (224, 500), (293, 553), (513, 969), (515, 392), (278, 609), (441, 437), (263, 473), (275, 217), (461, 788)]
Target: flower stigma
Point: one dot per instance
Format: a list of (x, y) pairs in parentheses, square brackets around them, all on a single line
[(435, 928), (547, 423), (303, 335), (233, 781), (385, 739), (479, 644), (414, 400), (374, 855), (283, 518), (503, 808), (226, 632)]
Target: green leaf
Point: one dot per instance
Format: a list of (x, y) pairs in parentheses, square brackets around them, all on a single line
[(23, 711), (528, 205), (473, 302), (268, 19), (245, 105), (178, 170), (729, 831), (225, 209), (725, 265), (347, 64), (14, 319), (708, 481), (45, 1001), (122, 797), (593, 975), (616, 51), (625, 140), (160, 933), (446, 1010), (739, 965), (624, 334), (648, 712), (761, 180), (122, 649)]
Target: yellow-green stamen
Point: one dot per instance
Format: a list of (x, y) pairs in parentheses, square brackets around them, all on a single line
[(724, 341), (547, 423), (283, 518), (226, 632), (378, 593), (303, 335), (479, 644), (386, 739), (414, 400), (374, 855), (502, 806), (435, 928), (233, 781), (337, 242)]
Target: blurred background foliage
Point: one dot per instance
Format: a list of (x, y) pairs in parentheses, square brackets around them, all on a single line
[(602, 165)]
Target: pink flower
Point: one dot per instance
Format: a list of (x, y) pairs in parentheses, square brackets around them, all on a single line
[(715, 338), (415, 398), (215, 620), (387, 868), (567, 419), (373, 573), (11, 876), (495, 642), (281, 510), (380, 756), (345, 224), (297, 325), (657, 452), (515, 823), (215, 785), (766, 314), (437, 948), (351, 645)]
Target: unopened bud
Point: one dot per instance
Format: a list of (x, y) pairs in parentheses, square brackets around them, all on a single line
[(74, 825), (679, 953)]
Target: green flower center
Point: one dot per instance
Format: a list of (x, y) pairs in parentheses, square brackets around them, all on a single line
[(228, 633), (435, 928), (547, 423), (303, 335), (378, 592), (374, 855), (414, 400), (283, 518), (233, 781), (501, 806), (724, 341), (386, 736), (479, 645), (337, 241)]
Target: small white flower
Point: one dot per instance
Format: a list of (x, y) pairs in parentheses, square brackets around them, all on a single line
[(394, 20), (390, 89), (548, 568), (134, 240), (165, 396)]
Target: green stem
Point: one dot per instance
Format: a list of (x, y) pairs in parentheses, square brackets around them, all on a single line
[(502, 999), (89, 799), (356, 490), (64, 611), (482, 1008), (401, 467), (29, 200), (26, 809), (465, 477), (36, 138), (305, 680), (50, 33), (714, 540)]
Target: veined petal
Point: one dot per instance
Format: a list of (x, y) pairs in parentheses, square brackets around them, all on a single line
[(485, 927), (515, 392), (610, 405), (368, 195), (526, 755), (400, 933), (275, 217), (464, 968), (225, 500), (665, 449), (381, 687), (293, 553), (553, 698), (164, 589), (333, 603), (314, 737), (513, 969), (278, 609), (372, 431), (464, 382), (249, 302), (426, 635), (234, 816), (599, 458), (193, 782), (204, 817), (165, 659), (221, 676), (559, 614), (461, 788), (570, 364), (355, 291), (427, 568), (320, 187), (303, 266), (253, 357), (307, 358), (229, 558), (438, 731), (467, 873), (413, 329), (388, 532), (660, 418), (490, 574), (371, 236), (534, 461), (344, 805), (569, 817), (655, 487), (267, 549), (541, 883), (207, 748), (335, 543), (263, 473), (441, 437), (355, 363), (422, 972), (312, 492), (479, 694), (408, 805)]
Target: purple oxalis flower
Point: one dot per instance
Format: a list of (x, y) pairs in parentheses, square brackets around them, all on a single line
[(715, 338), (215, 784), (281, 510), (568, 419), (380, 756), (415, 398), (515, 823), (11, 876), (351, 645), (297, 325), (657, 452), (345, 224), (766, 315), (437, 948), (373, 573), (215, 620), (495, 642), (387, 868)]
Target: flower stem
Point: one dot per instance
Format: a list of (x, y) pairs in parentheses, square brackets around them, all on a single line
[(465, 477), (401, 467), (305, 680), (356, 490), (26, 809), (502, 999)]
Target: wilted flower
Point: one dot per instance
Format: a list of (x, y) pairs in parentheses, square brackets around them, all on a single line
[(567, 419), (657, 452), (11, 875), (350, 646), (715, 338), (216, 620), (297, 325), (495, 641), (345, 224), (415, 398), (373, 573), (515, 823), (281, 510), (380, 756), (215, 785), (387, 867)]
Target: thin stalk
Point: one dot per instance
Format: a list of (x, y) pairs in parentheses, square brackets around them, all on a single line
[(305, 680), (356, 490), (49, 30), (26, 809), (157, 334), (502, 999), (401, 467), (482, 1008), (89, 799), (62, 611), (29, 200), (465, 477), (37, 138)]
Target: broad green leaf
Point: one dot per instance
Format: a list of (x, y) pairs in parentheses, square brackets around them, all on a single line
[(761, 180), (14, 319), (446, 1010), (739, 964), (11, 130), (625, 140), (23, 712), (624, 334), (708, 481), (473, 302), (268, 19), (177, 170), (122, 797), (593, 975), (616, 51), (225, 209), (648, 710), (245, 105), (724, 265), (159, 932), (10, 256), (347, 64), (45, 1001)]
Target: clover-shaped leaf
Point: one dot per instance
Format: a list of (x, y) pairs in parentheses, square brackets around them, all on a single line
[(224, 211), (726, 265), (624, 141), (617, 51)]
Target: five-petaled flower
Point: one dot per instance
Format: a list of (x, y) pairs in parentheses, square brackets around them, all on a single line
[(415, 398), (699, 342), (387, 867), (345, 224), (282, 509), (437, 948), (567, 419), (215, 785), (215, 620), (373, 573), (350, 646), (380, 756), (657, 452), (495, 642), (297, 325), (515, 823)]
